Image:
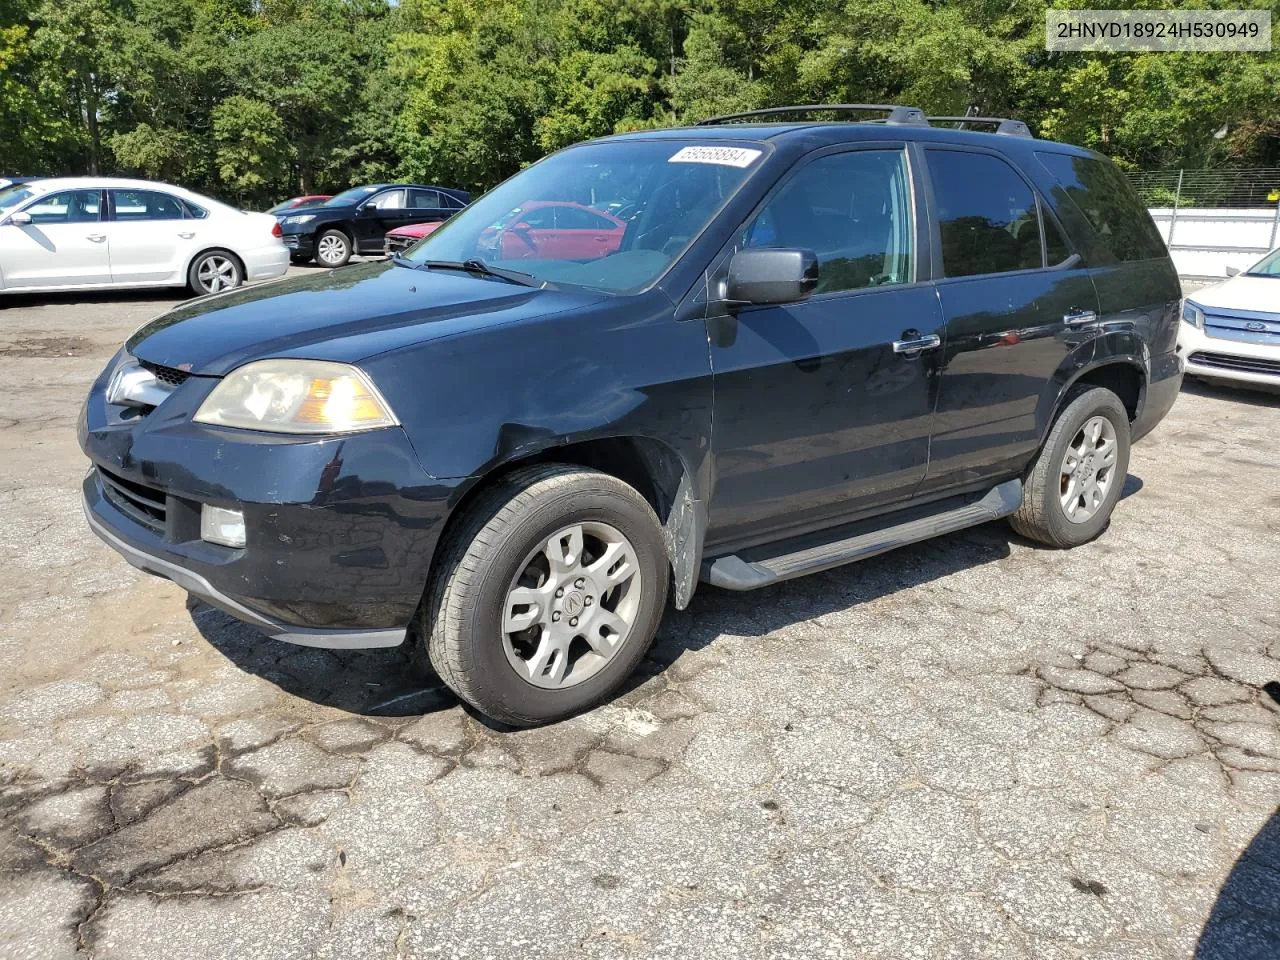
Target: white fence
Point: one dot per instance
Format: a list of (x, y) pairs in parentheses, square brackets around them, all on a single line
[(1205, 241)]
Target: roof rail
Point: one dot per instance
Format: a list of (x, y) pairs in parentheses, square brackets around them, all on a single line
[(1010, 128), (912, 116)]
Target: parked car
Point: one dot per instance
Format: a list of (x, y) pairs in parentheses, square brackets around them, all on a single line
[(815, 342), (556, 230), (402, 238), (297, 203), (89, 233), (356, 220), (1232, 330)]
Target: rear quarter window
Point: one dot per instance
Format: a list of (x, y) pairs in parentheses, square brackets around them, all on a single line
[(1099, 191)]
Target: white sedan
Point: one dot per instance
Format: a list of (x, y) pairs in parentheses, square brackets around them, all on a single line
[(92, 233), (1232, 329)]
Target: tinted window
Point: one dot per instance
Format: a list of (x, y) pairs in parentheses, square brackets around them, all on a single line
[(1056, 248), (575, 218), (1100, 192), (986, 214), (70, 206), (539, 218), (424, 199), (453, 203), (853, 210), (192, 211), (144, 205), (391, 200)]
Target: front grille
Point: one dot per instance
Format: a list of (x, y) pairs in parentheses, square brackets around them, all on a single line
[(137, 500), (169, 375), (1242, 364)]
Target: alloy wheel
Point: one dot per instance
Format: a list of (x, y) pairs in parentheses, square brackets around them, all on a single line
[(1088, 469), (331, 249), (217, 273), (572, 605)]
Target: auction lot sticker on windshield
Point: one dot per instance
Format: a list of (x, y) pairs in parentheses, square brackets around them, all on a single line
[(724, 156)]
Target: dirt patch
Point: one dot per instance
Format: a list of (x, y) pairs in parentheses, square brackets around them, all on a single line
[(48, 347)]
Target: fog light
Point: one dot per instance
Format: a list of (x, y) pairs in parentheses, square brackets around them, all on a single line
[(221, 525)]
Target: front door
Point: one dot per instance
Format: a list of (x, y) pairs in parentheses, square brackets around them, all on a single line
[(63, 245), (822, 408), (382, 212), (1017, 301)]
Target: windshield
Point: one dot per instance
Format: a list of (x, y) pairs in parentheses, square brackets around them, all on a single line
[(10, 197), (350, 197), (1268, 266), (610, 216)]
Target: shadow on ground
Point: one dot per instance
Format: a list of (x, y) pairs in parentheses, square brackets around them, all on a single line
[(1253, 396), (1245, 921), (388, 682)]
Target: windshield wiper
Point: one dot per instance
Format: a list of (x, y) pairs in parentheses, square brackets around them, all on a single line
[(476, 265)]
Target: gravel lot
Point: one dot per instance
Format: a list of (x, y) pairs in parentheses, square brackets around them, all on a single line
[(969, 748)]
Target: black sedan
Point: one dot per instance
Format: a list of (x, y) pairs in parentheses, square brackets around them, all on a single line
[(356, 220)]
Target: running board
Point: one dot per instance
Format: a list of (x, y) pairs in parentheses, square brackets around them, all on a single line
[(734, 573)]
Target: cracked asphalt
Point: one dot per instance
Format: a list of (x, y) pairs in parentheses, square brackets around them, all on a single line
[(972, 748)]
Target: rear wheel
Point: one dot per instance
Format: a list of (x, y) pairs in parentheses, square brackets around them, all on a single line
[(333, 248), (548, 595), (1076, 479), (213, 272)]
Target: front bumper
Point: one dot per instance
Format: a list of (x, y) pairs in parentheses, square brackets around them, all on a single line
[(1221, 359), (299, 244), (340, 530)]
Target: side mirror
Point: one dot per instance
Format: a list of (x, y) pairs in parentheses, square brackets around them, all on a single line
[(1233, 271), (20, 219), (767, 276)]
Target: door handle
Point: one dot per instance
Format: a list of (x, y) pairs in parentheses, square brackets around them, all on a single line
[(913, 343), (1078, 318), (97, 237), (186, 234)]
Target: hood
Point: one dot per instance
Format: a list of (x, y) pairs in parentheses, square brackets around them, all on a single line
[(1243, 293), (343, 315)]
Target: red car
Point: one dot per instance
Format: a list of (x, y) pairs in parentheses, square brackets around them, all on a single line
[(311, 200), (403, 237), (555, 230)]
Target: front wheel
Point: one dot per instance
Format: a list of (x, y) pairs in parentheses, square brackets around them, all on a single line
[(333, 248), (1076, 479), (548, 594), (214, 272)]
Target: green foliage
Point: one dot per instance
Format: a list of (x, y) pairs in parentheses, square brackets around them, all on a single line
[(253, 100)]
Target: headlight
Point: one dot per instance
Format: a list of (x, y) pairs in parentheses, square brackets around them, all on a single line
[(297, 396), (300, 218), (1192, 314)]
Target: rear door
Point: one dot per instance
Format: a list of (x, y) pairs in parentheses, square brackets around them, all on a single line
[(151, 237), (63, 245), (1016, 300), (821, 409)]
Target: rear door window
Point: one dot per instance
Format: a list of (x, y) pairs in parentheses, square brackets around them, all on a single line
[(1102, 195), (424, 200), (987, 214), (144, 205)]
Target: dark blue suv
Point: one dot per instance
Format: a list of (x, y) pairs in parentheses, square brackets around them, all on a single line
[(814, 341)]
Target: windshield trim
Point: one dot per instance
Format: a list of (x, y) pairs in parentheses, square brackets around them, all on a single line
[(766, 148)]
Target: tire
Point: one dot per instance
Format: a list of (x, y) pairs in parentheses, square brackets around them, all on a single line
[(502, 544), (214, 271), (1049, 512), (333, 248)]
